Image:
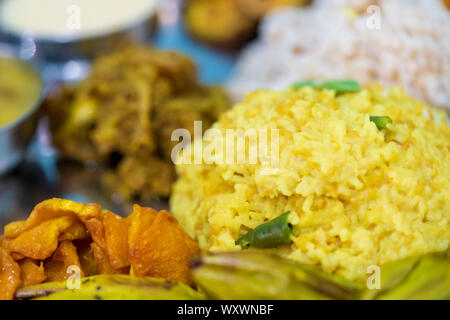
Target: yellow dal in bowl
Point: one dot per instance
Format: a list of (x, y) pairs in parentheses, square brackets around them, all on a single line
[(20, 88)]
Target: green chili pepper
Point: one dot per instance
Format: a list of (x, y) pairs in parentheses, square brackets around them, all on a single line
[(339, 86), (380, 121), (268, 235), (306, 83)]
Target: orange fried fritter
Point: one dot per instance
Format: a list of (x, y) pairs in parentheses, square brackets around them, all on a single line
[(116, 236), (103, 264), (41, 241), (64, 256), (61, 233), (159, 247), (9, 275), (51, 209), (32, 272)]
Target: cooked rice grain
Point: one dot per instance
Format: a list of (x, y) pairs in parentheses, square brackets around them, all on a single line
[(358, 196), (331, 40)]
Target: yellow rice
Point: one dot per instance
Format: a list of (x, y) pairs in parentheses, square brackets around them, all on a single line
[(358, 196)]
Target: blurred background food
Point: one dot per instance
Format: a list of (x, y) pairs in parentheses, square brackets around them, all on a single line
[(43, 18), (218, 22), (229, 23), (64, 56), (124, 113), (341, 39), (446, 3), (65, 36)]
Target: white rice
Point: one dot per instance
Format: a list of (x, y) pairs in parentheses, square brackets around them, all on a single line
[(332, 40)]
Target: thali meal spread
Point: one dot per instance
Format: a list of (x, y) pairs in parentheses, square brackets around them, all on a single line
[(327, 189), (363, 172), (124, 113), (20, 88)]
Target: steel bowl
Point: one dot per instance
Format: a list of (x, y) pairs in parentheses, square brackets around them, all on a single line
[(17, 135), (67, 57)]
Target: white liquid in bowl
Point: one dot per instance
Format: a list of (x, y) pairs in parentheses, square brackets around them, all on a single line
[(72, 18)]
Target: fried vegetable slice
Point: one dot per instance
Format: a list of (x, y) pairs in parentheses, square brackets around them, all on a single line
[(60, 234), (77, 231), (9, 275), (140, 220), (6, 243), (97, 231), (52, 209), (116, 236), (103, 264), (41, 241), (160, 248), (87, 259), (32, 272), (65, 256)]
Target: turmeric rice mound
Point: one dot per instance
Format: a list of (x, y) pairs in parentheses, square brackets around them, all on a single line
[(358, 195)]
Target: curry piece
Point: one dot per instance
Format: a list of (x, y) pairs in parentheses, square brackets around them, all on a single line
[(122, 117)]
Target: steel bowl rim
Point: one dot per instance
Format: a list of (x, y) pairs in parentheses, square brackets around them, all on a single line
[(61, 40)]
